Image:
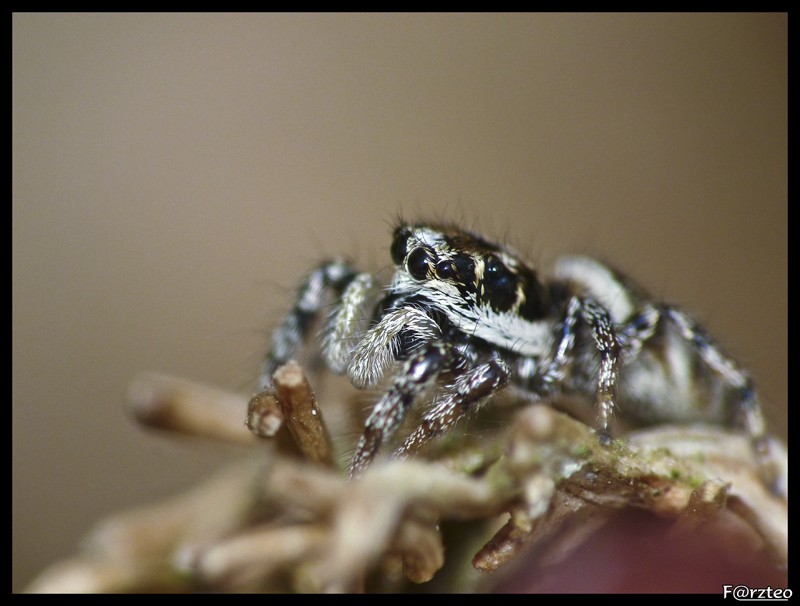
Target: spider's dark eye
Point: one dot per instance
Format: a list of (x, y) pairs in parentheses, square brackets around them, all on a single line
[(417, 263), (445, 269), (398, 249)]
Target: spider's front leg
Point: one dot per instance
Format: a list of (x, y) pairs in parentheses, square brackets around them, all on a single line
[(466, 393), (471, 387), (418, 373), (332, 279)]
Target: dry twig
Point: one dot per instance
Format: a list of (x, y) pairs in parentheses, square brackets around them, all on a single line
[(276, 523)]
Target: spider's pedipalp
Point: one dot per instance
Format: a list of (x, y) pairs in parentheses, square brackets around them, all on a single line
[(398, 334), (346, 323)]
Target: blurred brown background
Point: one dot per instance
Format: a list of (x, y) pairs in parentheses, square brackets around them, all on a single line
[(174, 175)]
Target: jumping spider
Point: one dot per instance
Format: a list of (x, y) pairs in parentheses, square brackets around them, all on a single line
[(469, 317)]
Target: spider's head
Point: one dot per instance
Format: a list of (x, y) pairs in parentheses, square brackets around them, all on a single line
[(466, 268)]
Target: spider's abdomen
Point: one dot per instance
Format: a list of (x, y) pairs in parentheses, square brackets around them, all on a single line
[(669, 382)]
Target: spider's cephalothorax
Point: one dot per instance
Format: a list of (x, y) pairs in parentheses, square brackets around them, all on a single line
[(468, 317)]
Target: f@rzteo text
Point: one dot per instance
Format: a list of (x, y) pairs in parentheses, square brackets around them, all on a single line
[(745, 593)]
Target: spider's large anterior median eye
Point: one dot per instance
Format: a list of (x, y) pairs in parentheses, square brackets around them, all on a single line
[(417, 264)]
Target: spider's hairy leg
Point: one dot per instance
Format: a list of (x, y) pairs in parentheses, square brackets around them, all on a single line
[(709, 351), (417, 374), (637, 330), (750, 415), (609, 348), (546, 375), (329, 278), (466, 393)]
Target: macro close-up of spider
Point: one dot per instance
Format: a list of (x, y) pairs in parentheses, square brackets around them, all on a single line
[(463, 318), (410, 302)]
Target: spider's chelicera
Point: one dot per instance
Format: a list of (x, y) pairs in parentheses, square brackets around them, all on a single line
[(468, 317)]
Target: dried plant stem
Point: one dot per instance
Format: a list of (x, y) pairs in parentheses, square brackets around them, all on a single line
[(189, 408), (282, 523), (264, 415), (591, 481), (247, 558), (420, 544), (302, 415), (293, 407)]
